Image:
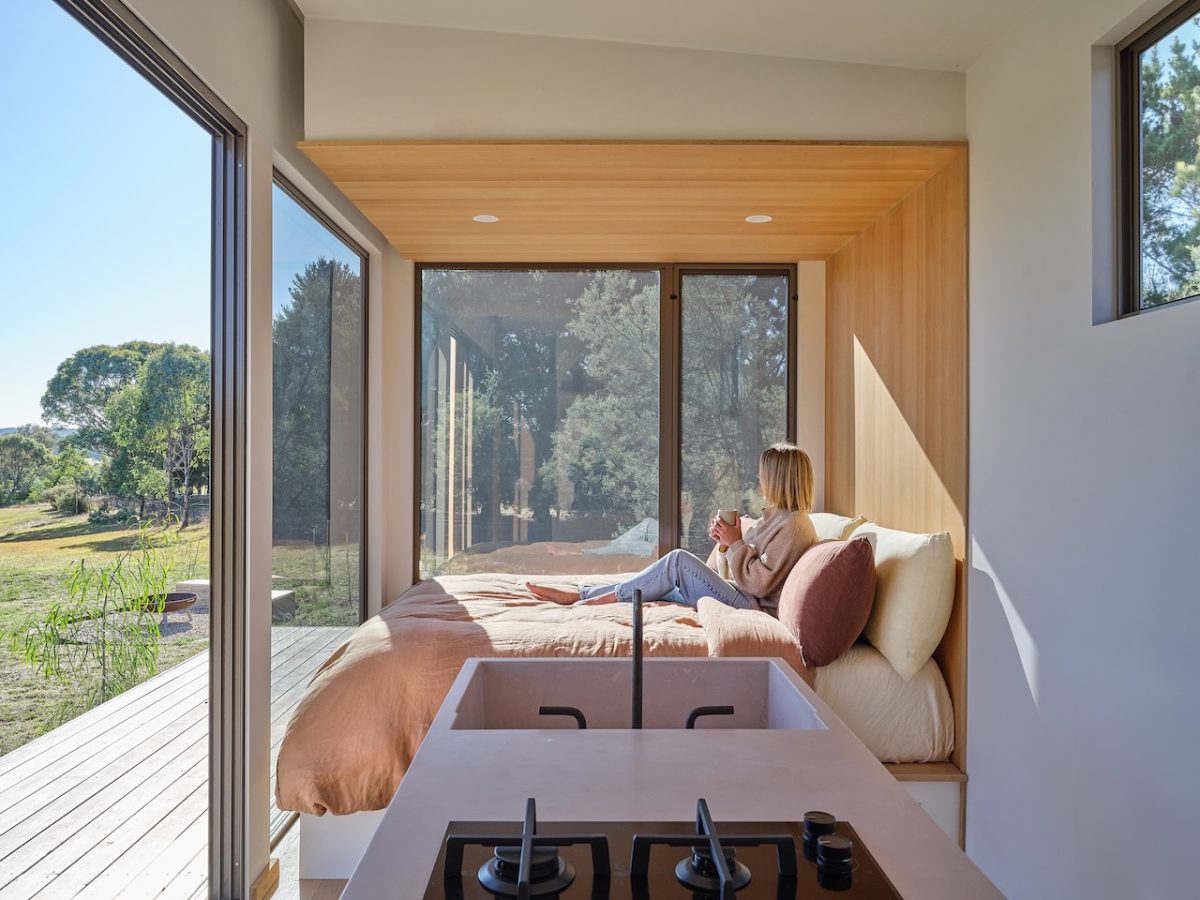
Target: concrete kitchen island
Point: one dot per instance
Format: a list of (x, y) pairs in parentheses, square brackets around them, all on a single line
[(782, 754)]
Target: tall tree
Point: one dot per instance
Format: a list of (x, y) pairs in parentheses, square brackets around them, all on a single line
[(165, 413), (306, 335), (22, 459), (605, 452), (41, 434), (80, 390), (1170, 169)]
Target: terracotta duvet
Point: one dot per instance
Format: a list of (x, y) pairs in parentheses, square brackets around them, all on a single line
[(368, 707)]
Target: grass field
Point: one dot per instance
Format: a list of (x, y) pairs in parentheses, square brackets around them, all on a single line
[(36, 548), (325, 580)]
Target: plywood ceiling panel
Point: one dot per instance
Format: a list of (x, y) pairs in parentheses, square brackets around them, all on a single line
[(624, 201)]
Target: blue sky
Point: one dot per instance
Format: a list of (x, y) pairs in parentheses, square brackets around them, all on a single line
[(298, 239), (105, 233)]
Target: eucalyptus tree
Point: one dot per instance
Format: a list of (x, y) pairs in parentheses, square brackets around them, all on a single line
[(163, 415), (83, 385), (22, 460)]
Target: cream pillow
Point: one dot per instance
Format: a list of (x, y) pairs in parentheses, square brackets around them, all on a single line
[(832, 527), (914, 595)]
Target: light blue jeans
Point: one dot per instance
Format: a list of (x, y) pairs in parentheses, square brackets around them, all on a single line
[(679, 576)]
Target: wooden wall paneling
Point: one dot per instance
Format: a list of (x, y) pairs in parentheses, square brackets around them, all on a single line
[(596, 201), (896, 401), (840, 281)]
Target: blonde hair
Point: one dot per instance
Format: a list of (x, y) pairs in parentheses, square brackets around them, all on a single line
[(787, 477)]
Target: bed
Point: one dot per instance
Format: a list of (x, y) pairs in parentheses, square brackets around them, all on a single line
[(367, 708)]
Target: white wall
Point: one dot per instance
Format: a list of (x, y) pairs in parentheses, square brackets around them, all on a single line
[(1084, 623), (373, 81), (251, 52)]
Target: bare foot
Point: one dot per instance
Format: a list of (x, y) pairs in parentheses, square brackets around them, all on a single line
[(554, 595)]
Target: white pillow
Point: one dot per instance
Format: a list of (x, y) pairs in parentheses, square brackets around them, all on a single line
[(899, 721), (832, 527), (914, 594)]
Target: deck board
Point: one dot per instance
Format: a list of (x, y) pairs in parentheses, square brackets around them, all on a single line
[(114, 803)]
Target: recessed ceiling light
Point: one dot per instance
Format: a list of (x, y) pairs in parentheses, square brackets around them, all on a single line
[(486, 218), (758, 219)]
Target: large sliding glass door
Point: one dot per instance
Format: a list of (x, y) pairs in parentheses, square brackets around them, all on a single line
[(577, 421), (122, 562)]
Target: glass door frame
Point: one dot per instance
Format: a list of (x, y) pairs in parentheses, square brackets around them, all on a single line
[(123, 32), (671, 277)]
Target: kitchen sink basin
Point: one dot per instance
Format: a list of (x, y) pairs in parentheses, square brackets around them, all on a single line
[(508, 694)]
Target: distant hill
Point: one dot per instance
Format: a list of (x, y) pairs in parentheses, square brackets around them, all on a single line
[(59, 433)]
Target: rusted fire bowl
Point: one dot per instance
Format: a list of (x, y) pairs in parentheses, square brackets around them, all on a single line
[(176, 601)]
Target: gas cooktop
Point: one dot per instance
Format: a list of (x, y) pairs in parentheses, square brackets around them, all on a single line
[(693, 860)]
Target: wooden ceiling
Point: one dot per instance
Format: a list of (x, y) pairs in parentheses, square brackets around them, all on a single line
[(588, 202)]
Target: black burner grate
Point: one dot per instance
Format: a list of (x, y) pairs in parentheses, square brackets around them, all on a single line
[(712, 868), (535, 870)]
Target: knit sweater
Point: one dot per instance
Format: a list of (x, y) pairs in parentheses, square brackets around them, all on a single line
[(760, 563)]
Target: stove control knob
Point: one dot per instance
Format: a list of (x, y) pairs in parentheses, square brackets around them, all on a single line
[(816, 824), (835, 862)]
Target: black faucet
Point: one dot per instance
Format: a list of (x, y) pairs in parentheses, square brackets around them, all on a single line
[(637, 659), (637, 676)]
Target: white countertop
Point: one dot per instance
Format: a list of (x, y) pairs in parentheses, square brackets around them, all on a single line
[(616, 774)]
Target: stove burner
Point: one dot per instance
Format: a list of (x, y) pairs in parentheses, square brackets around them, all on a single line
[(712, 870), (549, 873), (700, 872), (523, 866)]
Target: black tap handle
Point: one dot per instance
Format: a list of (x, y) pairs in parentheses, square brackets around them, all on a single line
[(573, 712), (707, 711)]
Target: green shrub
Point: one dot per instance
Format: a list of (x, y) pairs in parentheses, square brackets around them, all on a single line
[(105, 513), (67, 499)]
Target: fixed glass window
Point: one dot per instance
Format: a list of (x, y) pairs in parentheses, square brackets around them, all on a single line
[(1160, 162), (318, 432), (734, 392), (539, 420), (584, 421), (317, 486)]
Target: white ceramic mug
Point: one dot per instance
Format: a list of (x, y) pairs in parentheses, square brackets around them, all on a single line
[(729, 517)]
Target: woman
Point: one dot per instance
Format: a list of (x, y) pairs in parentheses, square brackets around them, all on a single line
[(759, 562)]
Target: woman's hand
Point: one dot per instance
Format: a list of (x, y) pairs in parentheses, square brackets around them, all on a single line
[(724, 533)]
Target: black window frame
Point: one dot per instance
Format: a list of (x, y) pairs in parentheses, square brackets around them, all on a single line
[(1129, 156), (670, 371)]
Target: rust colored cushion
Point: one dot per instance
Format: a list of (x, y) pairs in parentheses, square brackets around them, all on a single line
[(827, 598)]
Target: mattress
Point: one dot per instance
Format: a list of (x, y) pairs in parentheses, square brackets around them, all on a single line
[(899, 721)]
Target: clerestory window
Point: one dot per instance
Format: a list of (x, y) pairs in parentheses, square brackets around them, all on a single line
[(1159, 121)]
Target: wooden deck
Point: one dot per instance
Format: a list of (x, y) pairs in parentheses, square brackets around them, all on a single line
[(114, 803)]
